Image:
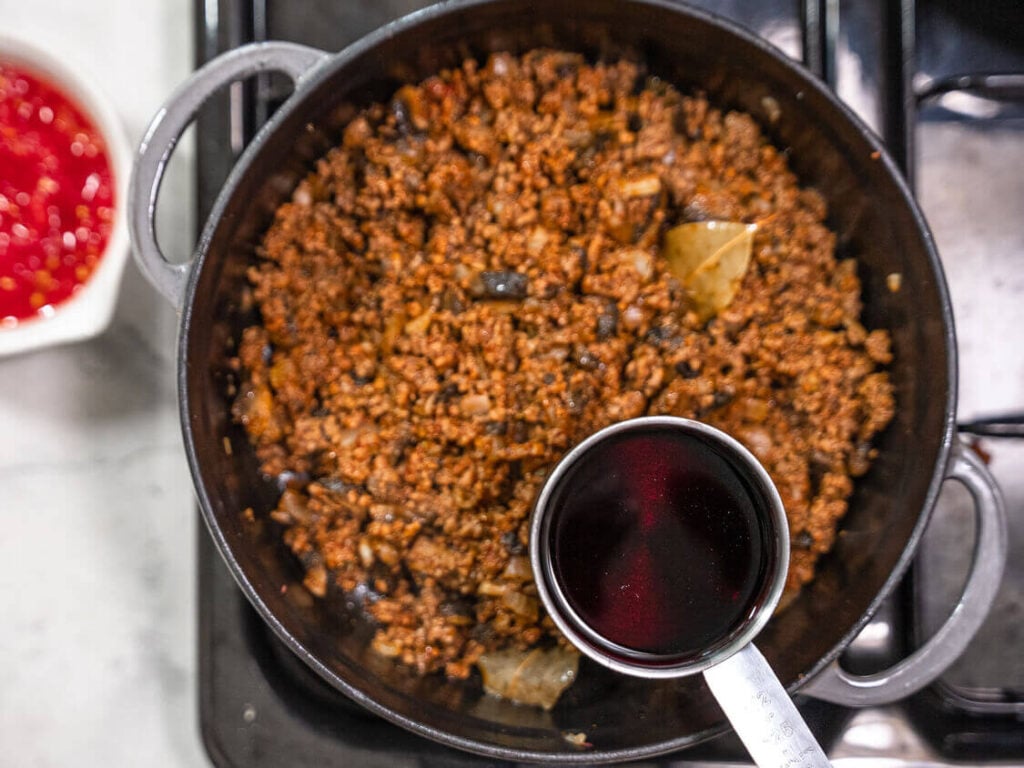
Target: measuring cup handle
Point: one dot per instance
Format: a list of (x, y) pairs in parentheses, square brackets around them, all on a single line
[(166, 128), (933, 658), (761, 712)]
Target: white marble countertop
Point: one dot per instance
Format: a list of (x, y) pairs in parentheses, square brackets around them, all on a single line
[(97, 546)]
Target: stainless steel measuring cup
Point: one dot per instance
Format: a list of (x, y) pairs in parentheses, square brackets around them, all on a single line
[(740, 678)]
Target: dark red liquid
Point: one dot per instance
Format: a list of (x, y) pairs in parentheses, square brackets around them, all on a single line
[(658, 545)]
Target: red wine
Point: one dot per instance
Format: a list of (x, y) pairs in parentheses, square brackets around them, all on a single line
[(657, 543)]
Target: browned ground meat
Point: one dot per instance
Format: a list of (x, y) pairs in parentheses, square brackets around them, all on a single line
[(471, 283)]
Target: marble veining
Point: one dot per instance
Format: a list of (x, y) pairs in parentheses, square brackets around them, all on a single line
[(97, 543)]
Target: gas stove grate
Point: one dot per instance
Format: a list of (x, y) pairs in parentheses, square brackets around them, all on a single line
[(259, 706)]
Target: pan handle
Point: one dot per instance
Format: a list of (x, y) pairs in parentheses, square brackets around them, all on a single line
[(166, 128), (930, 660)]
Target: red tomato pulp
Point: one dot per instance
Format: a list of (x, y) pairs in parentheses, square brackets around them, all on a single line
[(56, 196)]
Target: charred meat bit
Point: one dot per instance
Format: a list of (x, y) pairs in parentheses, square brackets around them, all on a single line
[(502, 285)]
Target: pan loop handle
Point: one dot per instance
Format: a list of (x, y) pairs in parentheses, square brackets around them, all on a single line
[(166, 128), (933, 658)]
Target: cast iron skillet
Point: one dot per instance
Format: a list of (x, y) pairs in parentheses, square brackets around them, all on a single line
[(875, 219)]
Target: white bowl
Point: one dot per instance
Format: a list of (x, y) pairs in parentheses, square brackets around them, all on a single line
[(87, 312)]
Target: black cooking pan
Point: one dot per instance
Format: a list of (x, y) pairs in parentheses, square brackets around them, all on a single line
[(876, 221)]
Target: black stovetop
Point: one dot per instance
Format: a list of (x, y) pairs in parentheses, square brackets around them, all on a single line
[(894, 62)]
